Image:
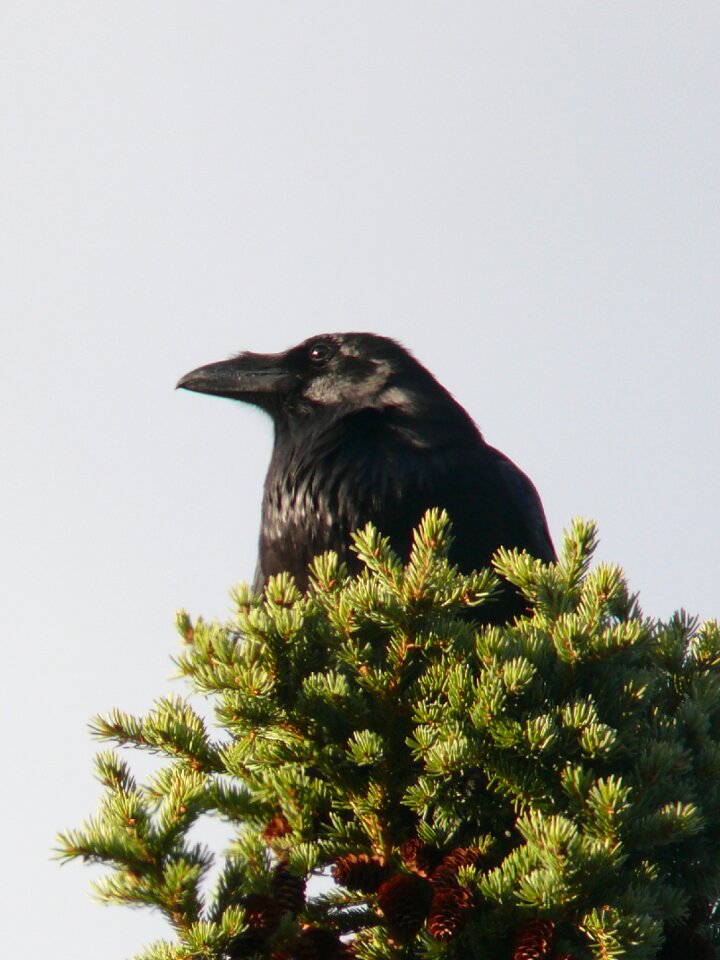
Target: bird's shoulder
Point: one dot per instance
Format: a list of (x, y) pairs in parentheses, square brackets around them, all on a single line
[(525, 498)]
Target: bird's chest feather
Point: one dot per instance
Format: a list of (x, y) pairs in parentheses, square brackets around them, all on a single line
[(317, 494), (315, 502)]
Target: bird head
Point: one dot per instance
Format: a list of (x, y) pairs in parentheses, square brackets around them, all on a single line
[(334, 373)]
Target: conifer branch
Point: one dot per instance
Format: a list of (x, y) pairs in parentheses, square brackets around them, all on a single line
[(552, 784)]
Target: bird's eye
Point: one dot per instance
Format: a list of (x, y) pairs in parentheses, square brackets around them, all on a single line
[(320, 352)]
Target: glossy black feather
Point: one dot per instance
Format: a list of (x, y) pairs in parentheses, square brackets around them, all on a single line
[(364, 432)]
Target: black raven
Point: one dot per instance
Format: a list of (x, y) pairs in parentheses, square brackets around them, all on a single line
[(364, 432)]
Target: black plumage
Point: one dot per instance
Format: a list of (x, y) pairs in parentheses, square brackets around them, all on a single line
[(365, 432)]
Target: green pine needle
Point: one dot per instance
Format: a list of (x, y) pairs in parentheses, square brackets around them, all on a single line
[(564, 766)]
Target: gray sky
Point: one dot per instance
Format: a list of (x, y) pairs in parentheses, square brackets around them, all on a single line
[(526, 194)]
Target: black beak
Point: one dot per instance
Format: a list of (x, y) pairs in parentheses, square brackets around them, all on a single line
[(252, 377)]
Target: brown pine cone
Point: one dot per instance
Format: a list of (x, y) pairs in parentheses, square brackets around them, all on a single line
[(276, 828), (687, 943), (404, 901), (314, 943), (359, 871), (446, 874), (450, 910), (262, 916), (420, 857), (534, 940), (288, 889)]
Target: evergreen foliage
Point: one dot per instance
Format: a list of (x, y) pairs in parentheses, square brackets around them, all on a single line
[(550, 788)]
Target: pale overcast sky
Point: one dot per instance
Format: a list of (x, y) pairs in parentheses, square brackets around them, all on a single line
[(526, 194)]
